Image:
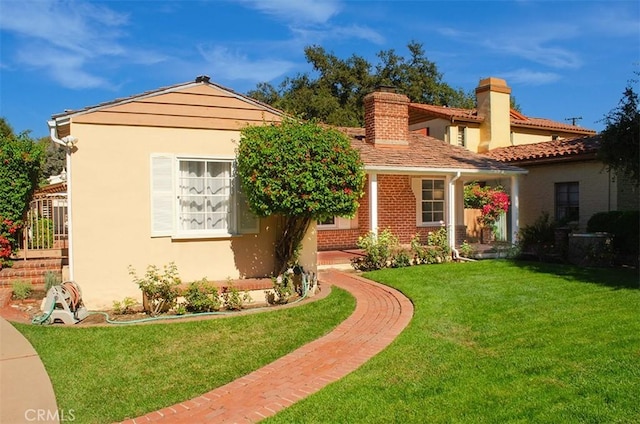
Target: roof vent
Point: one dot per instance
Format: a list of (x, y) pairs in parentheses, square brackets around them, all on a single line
[(202, 78)]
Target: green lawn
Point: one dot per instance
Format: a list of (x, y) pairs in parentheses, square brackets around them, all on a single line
[(105, 374), (498, 342)]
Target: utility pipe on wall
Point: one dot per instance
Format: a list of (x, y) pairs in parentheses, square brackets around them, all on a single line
[(68, 143)]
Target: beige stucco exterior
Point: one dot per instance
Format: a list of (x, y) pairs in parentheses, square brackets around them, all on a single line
[(597, 190), (111, 199)]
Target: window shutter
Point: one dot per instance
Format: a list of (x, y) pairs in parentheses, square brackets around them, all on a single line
[(162, 196), (248, 223)]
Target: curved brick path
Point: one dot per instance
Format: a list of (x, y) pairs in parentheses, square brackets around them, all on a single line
[(381, 314)]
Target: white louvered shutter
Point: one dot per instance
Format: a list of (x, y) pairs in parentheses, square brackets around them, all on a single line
[(162, 195)]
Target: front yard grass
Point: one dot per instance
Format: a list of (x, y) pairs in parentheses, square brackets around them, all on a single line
[(105, 374), (498, 342)]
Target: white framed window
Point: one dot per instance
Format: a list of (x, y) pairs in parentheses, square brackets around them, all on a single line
[(197, 197), (432, 201)]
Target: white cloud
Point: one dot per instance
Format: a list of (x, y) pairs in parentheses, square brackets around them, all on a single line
[(234, 65), (529, 77), (297, 11), (67, 39)]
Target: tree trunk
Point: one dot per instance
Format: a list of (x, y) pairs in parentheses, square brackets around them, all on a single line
[(293, 231)]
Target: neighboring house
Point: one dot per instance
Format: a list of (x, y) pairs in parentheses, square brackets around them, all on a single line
[(567, 181), (414, 182), (491, 125), (151, 181)]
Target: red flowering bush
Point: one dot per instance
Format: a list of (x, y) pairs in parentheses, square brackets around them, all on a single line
[(492, 202), (8, 240)]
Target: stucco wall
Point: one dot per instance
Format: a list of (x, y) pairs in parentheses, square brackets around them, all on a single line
[(110, 201), (597, 193)]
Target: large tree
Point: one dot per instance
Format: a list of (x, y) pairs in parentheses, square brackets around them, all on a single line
[(620, 149), (334, 92), (300, 171)]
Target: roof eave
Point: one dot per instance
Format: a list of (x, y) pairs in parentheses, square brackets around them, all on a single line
[(386, 169)]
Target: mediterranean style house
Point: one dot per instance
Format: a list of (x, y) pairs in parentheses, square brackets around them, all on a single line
[(150, 181)]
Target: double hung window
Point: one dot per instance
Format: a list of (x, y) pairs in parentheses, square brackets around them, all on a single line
[(197, 197), (567, 201), (432, 201)]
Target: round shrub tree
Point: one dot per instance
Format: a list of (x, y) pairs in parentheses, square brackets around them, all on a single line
[(300, 171)]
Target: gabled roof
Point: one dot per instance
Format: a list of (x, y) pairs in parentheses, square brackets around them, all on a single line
[(420, 112), (199, 81), (578, 148), (424, 154)]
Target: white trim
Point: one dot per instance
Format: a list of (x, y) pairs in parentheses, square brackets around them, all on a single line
[(373, 203), (515, 208), (380, 169), (416, 187)]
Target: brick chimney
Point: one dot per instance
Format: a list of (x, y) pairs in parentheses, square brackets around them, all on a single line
[(494, 102), (386, 117)]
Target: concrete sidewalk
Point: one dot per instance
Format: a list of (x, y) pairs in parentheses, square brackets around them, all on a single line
[(26, 393)]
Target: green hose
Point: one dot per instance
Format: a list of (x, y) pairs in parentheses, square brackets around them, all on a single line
[(39, 320)]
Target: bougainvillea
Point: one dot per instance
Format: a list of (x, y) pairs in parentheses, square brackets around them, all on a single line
[(492, 202), (8, 233)]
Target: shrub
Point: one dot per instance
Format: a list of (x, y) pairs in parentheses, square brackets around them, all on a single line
[(21, 289), (201, 296), (401, 259), (51, 279), (159, 289), (379, 251), (124, 307), (623, 225), (232, 298), (8, 240), (283, 289), (465, 249), (436, 249), (538, 237)]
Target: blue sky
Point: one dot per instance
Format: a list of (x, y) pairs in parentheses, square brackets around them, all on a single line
[(562, 59)]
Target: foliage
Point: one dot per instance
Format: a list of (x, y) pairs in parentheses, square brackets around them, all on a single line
[(159, 288), (623, 225), (54, 158), (465, 249), (401, 259), (51, 279), (20, 159), (539, 237), (232, 298), (335, 91), (436, 250), (620, 140), (379, 251), (492, 202), (201, 296), (42, 233), (21, 289), (125, 306), (8, 239), (302, 172), (283, 289)]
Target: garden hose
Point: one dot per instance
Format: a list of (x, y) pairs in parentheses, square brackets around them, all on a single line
[(305, 289)]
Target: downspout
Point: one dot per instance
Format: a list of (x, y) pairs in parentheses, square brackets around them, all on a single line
[(68, 143), (452, 216), (373, 203)]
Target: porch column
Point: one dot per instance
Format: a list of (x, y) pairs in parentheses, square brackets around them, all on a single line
[(451, 212), (373, 203), (515, 206)]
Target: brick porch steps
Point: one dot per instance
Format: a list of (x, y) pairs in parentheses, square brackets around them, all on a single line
[(31, 270)]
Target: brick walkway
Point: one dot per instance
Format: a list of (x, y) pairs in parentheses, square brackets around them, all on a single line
[(381, 314)]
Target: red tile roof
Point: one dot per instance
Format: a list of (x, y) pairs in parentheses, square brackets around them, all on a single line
[(419, 112), (423, 154), (572, 148)]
